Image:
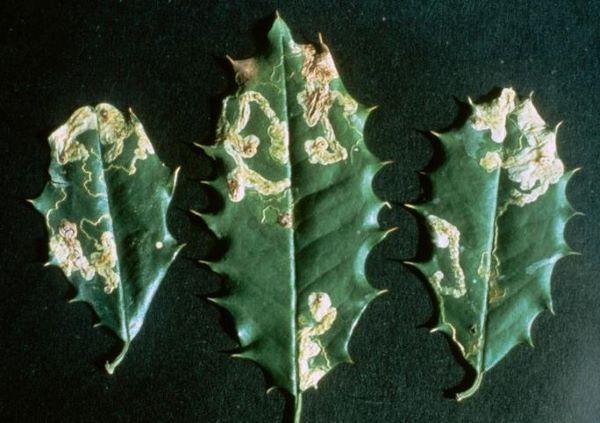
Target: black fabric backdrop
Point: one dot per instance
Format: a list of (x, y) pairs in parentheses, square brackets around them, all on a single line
[(415, 60)]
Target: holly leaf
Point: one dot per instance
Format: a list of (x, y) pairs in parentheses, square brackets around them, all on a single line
[(300, 216), (496, 217), (105, 208)]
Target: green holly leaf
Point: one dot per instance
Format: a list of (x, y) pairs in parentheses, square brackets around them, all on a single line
[(105, 207), (300, 216), (497, 217)]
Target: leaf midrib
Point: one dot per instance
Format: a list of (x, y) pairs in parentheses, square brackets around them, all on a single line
[(480, 370), (122, 309), (490, 249), (292, 231), (492, 241)]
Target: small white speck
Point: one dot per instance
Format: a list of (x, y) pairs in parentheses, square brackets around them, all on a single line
[(501, 61), (159, 245), (384, 19)]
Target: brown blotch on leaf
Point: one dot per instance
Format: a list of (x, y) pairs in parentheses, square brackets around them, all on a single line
[(285, 220), (244, 70), (236, 189)]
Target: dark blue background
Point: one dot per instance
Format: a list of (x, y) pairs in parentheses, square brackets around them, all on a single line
[(164, 59)]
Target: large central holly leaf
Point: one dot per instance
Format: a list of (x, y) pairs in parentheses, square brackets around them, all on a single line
[(300, 216), (497, 218), (105, 208)]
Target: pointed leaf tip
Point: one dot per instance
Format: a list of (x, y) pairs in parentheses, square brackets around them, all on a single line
[(439, 328), (386, 163), (419, 208), (416, 265), (528, 340), (220, 301), (578, 213), (382, 292), (197, 213)]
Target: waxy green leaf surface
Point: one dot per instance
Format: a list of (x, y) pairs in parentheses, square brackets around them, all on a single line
[(105, 207), (497, 219), (300, 216)]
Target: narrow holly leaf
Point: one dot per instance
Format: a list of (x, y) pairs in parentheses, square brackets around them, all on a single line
[(300, 215), (497, 217), (105, 207)]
